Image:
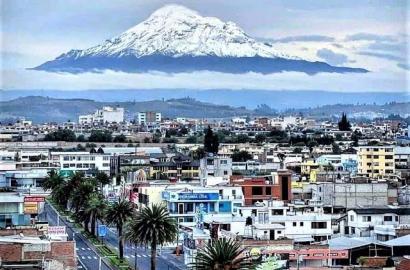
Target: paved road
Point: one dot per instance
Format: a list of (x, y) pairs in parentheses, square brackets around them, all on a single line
[(143, 255), (86, 257)]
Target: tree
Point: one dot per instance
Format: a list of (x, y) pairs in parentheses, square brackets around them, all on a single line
[(118, 214), (211, 141), (100, 136), (241, 156), (281, 157), (95, 208), (102, 178), (198, 153), (336, 149), (260, 138), (61, 135), (344, 124), (120, 138), (221, 254), (151, 227), (191, 139)]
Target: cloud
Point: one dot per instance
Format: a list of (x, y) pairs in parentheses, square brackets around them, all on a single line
[(331, 57), (404, 66), (372, 81), (306, 38), (369, 37), (386, 56)]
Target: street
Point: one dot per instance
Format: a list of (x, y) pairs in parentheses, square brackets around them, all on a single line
[(86, 257)]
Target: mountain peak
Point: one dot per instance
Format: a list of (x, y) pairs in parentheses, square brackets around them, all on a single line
[(173, 10), (177, 39)]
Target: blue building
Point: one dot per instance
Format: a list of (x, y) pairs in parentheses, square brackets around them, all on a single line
[(191, 204)]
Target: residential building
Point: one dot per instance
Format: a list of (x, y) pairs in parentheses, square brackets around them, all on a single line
[(376, 161), (149, 118), (105, 115)]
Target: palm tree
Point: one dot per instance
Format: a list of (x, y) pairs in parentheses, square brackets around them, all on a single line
[(80, 195), (151, 226), (117, 214), (95, 208), (221, 254)]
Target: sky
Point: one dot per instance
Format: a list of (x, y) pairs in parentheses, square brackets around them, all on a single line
[(356, 33)]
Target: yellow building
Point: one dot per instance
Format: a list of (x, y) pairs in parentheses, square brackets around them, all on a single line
[(308, 165), (375, 161)]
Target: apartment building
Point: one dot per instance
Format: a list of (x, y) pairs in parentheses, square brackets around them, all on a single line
[(149, 118), (215, 166), (376, 161), (105, 115), (82, 161)]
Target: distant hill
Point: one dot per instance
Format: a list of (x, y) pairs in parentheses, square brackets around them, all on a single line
[(251, 98), (45, 109)]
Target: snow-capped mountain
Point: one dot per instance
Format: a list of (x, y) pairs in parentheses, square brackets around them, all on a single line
[(177, 39)]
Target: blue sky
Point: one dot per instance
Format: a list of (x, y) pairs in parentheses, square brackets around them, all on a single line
[(368, 34)]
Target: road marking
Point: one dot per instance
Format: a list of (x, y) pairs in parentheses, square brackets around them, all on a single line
[(79, 267), (126, 256), (139, 256), (133, 256), (82, 248), (143, 255), (88, 248), (89, 257), (83, 257), (77, 249), (95, 258)]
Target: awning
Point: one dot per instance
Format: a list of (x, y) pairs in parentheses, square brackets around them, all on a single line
[(399, 241), (303, 239)]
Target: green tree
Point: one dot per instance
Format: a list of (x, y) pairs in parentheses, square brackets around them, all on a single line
[(260, 138), (336, 148), (118, 214), (344, 124), (120, 138), (151, 227), (211, 141), (61, 135), (191, 139), (241, 156), (100, 136), (221, 254), (95, 208)]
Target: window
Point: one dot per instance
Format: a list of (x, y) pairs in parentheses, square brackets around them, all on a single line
[(106, 164), (366, 218), (319, 225), (369, 156), (66, 158), (106, 158), (388, 218), (397, 218), (65, 166), (224, 161), (268, 191), (389, 157), (209, 162), (256, 190), (294, 224), (225, 172), (301, 224)]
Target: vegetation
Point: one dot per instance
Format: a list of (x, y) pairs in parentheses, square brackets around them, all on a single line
[(221, 254), (241, 156), (211, 141), (151, 227), (118, 214), (344, 124), (100, 136), (61, 135)]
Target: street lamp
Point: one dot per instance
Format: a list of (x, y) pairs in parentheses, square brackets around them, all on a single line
[(135, 253)]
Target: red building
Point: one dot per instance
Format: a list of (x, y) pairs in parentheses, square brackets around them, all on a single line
[(272, 187)]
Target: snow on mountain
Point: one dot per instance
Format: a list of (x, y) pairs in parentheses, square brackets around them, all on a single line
[(177, 39)]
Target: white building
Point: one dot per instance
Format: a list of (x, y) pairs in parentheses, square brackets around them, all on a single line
[(215, 166), (382, 223), (104, 115), (82, 161)]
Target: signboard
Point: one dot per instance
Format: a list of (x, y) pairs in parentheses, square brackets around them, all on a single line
[(42, 226), (198, 196), (56, 230), (30, 208), (35, 199), (102, 230), (311, 254)]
